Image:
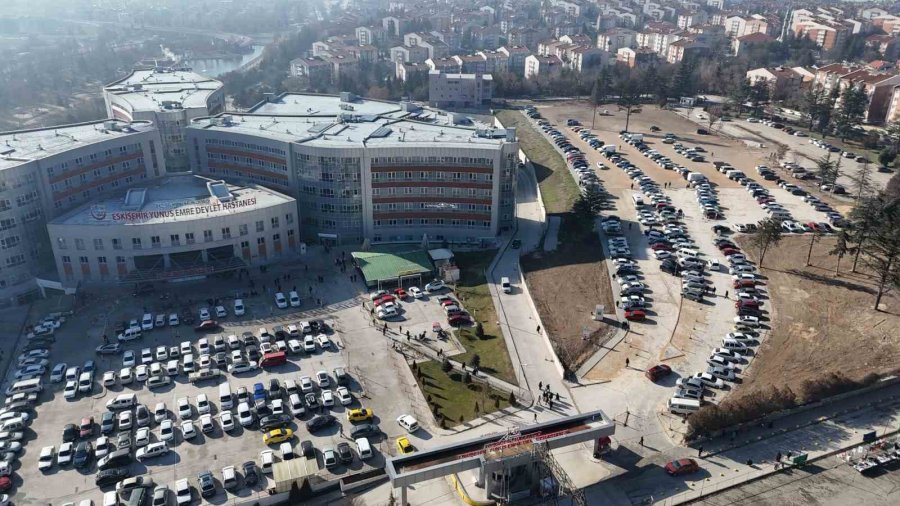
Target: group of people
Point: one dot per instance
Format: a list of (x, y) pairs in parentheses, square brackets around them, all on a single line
[(547, 396)]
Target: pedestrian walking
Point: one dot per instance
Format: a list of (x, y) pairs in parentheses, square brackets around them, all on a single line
[(632, 186), (407, 338), (726, 294), (700, 452), (538, 329), (627, 362), (551, 403), (535, 418), (642, 441), (540, 385), (557, 396), (778, 457), (401, 329), (407, 333)]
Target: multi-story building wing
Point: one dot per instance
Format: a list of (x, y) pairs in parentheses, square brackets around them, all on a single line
[(366, 169), (46, 172), (168, 98)]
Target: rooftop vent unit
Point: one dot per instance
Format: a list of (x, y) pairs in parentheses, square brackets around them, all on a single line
[(219, 190), (134, 199), (112, 125), (171, 105), (381, 132), (407, 106), (346, 96), (347, 107), (494, 133), (137, 87), (226, 120)]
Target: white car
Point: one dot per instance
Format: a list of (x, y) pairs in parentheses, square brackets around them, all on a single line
[(281, 301), (141, 372), (202, 404), (416, 292), (102, 447), (173, 320), (66, 451), (294, 346), (309, 343), (703, 378), (160, 320), (172, 367), (343, 395), (204, 314), (408, 422), (327, 398), (184, 408), (162, 353), (297, 407), (187, 430), (125, 420), (46, 458), (294, 298), (128, 359), (277, 407), (206, 423), (203, 346), (146, 356), (160, 412), (167, 430), (322, 379), (720, 361), (125, 376), (185, 347), (245, 416), (721, 372), (306, 384), (239, 307), (142, 437), (435, 285), (747, 321), (728, 355), (183, 495), (240, 367), (152, 450), (323, 342), (221, 312), (71, 390), (147, 322), (109, 378), (227, 421)]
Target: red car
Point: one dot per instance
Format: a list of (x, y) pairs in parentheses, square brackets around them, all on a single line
[(658, 371), (746, 303), (446, 300), (207, 326), (458, 320), (87, 427), (682, 466), (743, 283), (5, 483), (730, 251), (659, 246), (384, 298), (399, 292), (635, 315)]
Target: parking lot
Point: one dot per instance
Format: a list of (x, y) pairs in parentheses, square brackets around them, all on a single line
[(379, 380)]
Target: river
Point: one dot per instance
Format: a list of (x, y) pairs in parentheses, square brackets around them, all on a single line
[(215, 67)]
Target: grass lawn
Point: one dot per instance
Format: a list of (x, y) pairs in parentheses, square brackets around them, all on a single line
[(455, 399), (558, 189), (472, 290)]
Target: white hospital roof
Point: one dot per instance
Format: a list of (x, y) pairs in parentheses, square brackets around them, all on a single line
[(319, 121), (172, 199), (146, 90), (24, 146)]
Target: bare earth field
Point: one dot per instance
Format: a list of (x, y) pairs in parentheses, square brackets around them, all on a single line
[(822, 323)]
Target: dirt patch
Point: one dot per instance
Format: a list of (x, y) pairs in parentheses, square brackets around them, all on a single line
[(823, 322), (566, 285)]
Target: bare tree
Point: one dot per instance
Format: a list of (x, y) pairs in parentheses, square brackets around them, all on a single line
[(768, 234), (713, 114)]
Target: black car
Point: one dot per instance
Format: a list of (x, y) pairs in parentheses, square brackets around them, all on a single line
[(84, 452), (344, 452), (365, 430), (107, 423), (320, 422), (207, 484), (274, 421), (319, 326), (252, 352), (262, 410), (274, 389), (70, 433), (307, 449), (250, 476), (312, 401), (109, 477)]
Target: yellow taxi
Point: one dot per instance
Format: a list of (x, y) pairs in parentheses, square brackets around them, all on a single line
[(277, 436), (404, 446), (360, 414)]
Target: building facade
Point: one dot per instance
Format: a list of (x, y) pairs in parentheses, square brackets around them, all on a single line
[(459, 90), (365, 169), (170, 99), (173, 228), (46, 172)]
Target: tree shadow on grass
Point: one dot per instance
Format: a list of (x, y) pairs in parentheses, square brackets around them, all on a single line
[(830, 280)]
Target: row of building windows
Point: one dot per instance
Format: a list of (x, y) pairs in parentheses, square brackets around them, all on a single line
[(415, 206), (330, 208), (97, 190), (432, 190), (430, 176), (248, 161), (213, 141), (100, 172), (21, 200), (431, 160), (8, 182), (176, 239), (432, 222), (95, 157), (247, 176)]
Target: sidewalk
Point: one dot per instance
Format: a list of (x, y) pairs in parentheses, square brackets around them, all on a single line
[(738, 458)]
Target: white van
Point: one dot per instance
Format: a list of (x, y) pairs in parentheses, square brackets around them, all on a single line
[(147, 322), (638, 199), (130, 334), (33, 385), (681, 406), (225, 399), (15, 424), (504, 283), (687, 253), (122, 401), (364, 448)]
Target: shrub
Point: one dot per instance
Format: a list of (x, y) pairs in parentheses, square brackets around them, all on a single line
[(479, 330), (445, 365), (467, 378), (512, 399), (475, 361)]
